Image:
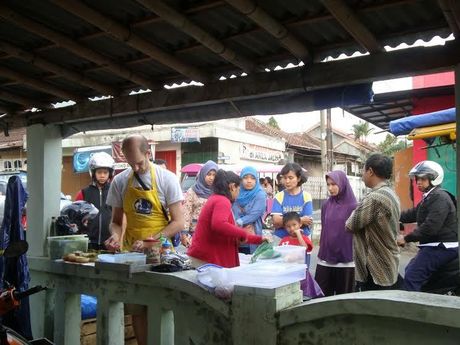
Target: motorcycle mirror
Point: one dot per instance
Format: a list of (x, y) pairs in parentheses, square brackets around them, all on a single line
[(16, 249)]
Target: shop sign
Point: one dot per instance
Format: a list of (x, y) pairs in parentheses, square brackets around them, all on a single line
[(185, 134), (259, 153), (82, 155)]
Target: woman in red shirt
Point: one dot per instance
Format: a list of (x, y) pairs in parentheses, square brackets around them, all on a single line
[(216, 237)]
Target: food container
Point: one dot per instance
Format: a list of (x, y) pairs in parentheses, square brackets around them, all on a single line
[(152, 250), (267, 274), (294, 254), (59, 246), (123, 258)]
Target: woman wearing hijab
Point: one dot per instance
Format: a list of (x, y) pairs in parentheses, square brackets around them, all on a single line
[(195, 198), (250, 205), (335, 269)]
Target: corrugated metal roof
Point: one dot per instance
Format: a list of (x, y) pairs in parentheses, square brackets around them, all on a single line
[(392, 22), (391, 106)]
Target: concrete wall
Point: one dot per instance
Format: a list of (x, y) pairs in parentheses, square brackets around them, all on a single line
[(182, 312)]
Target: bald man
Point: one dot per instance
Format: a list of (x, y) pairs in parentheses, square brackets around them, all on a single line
[(143, 193)]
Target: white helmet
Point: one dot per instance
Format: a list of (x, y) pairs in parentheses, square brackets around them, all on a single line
[(429, 169), (100, 160)]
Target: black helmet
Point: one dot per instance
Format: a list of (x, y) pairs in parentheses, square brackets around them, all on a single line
[(79, 213)]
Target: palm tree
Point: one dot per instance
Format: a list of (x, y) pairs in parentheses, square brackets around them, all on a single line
[(361, 130)]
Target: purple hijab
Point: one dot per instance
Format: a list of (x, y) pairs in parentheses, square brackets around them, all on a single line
[(336, 244), (201, 188)]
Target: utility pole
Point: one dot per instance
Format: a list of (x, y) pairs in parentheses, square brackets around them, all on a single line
[(329, 145), (323, 138)]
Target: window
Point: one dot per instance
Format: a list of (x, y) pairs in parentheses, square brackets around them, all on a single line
[(17, 164), (7, 165)]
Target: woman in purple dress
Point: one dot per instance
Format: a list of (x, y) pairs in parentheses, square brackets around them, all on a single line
[(335, 271)]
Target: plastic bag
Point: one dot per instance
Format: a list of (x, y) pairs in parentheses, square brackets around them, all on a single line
[(310, 287), (264, 251), (216, 279)]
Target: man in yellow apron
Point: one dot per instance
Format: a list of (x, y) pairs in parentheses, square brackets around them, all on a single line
[(142, 194)]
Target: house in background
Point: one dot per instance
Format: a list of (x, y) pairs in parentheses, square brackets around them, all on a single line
[(12, 151), (349, 154)]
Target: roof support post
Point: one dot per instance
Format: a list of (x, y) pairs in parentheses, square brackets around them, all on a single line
[(44, 162), (457, 140)]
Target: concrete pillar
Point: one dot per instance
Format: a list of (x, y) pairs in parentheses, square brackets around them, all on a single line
[(110, 322), (67, 319), (44, 165), (254, 312), (457, 120), (160, 326)]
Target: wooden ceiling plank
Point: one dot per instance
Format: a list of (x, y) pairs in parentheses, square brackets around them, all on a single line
[(42, 63), (187, 26), (76, 48), (394, 64), (38, 84), (125, 35), (257, 14), (351, 23)]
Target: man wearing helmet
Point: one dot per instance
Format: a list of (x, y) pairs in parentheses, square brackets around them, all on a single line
[(101, 171), (436, 229)]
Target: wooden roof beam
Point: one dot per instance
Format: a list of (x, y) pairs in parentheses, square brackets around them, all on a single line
[(125, 35), (56, 69), (24, 101), (451, 11), (250, 9), (351, 23), (38, 84), (76, 48), (415, 61), (184, 24)]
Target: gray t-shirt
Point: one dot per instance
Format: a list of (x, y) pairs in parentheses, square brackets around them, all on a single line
[(169, 190)]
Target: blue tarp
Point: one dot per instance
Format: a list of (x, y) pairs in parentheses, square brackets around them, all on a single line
[(407, 124), (88, 307)]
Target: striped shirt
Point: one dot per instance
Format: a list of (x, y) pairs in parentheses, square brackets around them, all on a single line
[(375, 225)]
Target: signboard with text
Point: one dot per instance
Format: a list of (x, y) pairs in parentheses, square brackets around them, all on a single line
[(259, 153), (185, 134)]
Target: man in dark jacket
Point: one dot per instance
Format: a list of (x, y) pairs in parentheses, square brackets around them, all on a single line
[(101, 172), (436, 217)]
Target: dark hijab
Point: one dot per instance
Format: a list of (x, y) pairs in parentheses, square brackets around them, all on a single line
[(201, 188)]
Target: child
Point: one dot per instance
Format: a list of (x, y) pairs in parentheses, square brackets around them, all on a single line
[(292, 223)]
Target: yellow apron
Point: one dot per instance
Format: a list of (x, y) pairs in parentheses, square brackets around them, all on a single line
[(144, 215)]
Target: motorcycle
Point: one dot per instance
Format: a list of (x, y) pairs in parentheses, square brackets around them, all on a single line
[(446, 281), (10, 299)]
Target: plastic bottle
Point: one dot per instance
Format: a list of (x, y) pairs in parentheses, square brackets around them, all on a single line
[(53, 226), (166, 248)]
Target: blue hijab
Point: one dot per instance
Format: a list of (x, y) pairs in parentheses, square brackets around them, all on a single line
[(201, 188), (246, 195)]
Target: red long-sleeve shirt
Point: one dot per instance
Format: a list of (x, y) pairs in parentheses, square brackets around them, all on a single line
[(216, 237)]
